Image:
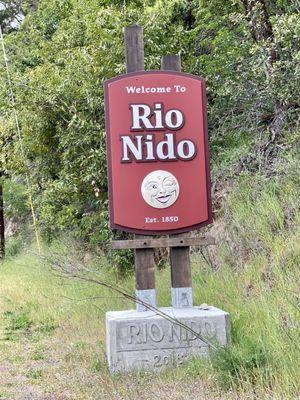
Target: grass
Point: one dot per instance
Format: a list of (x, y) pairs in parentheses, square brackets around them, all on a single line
[(52, 331)]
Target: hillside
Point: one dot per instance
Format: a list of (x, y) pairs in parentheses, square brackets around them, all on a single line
[(53, 331), (54, 180)]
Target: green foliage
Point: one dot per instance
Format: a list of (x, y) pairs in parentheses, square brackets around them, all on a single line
[(12, 12), (17, 214), (38, 354), (261, 210), (97, 365), (261, 295), (15, 199), (254, 275), (35, 374), (62, 53), (17, 322), (16, 243), (249, 361)]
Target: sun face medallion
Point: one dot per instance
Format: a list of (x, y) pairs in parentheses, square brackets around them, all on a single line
[(160, 189)]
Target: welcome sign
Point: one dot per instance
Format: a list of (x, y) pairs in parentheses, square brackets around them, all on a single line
[(157, 149)]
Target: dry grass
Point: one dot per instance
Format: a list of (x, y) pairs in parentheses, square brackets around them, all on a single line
[(52, 333), (53, 347)]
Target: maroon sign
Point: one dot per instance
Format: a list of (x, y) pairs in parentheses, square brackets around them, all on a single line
[(158, 162)]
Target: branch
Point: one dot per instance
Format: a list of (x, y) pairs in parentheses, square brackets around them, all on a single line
[(258, 18), (68, 270)]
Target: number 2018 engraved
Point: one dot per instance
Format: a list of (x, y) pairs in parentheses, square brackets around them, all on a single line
[(160, 361)]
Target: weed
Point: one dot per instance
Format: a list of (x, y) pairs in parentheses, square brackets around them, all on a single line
[(198, 366), (17, 359), (245, 362), (80, 345), (17, 322), (46, 327), (98, 365), (38, 354), (35, 374)]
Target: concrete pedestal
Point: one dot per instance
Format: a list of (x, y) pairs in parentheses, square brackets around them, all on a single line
[(144, 340)]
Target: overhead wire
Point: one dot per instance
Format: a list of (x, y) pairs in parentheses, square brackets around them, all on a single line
[(20, 139)]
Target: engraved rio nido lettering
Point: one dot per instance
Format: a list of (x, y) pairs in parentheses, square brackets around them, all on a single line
[(140, 334), (156, 332), (144, 147), (207, 329), (134, 334), (210, 329), (153, 332)]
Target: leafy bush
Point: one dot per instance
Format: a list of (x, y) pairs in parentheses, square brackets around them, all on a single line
[(15, 199), (22, 238), (58, 65)]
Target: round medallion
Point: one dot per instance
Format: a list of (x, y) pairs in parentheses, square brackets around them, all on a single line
[(160, 189)]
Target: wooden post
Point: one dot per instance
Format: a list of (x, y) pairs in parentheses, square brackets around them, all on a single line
[(134, 48), (2, 230), (144, 258), (181, 277), (171, 63)]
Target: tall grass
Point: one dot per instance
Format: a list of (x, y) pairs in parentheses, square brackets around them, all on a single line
[(253, 274), (256, 278)]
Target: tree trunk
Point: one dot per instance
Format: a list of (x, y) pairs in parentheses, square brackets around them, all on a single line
[(2, 238), (258, 18)]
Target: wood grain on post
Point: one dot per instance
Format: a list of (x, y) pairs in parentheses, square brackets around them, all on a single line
[(134, 48), (180, 267), (171, 63), (144, 258), (150, 243), (181, 276), (144, 268)]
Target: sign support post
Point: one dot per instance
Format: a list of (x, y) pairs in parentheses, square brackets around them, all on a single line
[(159, 184), (181, 276), (144, 258)]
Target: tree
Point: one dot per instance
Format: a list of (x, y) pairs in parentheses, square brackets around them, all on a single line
[(260, 26), (248, 51), (12, 13)]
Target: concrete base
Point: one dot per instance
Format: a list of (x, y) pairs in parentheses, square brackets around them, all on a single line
[(148, 296), (144, 340), (182, 297)]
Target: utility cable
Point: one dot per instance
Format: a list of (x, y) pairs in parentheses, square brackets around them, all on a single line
[(13, 102)]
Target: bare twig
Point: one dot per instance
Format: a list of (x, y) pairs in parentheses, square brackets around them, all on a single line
[(70, 271)]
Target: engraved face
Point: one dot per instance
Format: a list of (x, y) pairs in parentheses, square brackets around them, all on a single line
[(160, 189)]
